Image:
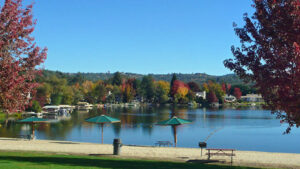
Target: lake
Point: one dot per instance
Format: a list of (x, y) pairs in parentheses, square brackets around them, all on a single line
[(242, 129)]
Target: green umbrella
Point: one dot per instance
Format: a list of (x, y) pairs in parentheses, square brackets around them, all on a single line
[(174, 122), (102, 120), (32, 121)]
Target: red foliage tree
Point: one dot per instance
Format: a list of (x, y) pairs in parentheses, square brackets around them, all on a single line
[(237, 93), (228, 87), (177, 84), (194, 86), (19, 56), (270, 56), (224, 87), (211, 97)]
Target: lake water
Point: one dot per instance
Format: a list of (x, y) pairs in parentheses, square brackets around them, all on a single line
[(243, 129)]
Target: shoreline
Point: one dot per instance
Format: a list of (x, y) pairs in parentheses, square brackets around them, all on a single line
[(242, 158)]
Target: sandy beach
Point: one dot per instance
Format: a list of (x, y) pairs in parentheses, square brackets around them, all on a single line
[(244, 158)]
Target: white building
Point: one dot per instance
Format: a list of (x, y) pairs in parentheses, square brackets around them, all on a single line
[(201, 94), (229, 98), (252, 98)]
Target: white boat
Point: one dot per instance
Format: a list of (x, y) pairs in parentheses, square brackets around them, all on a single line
[(84, 106), (51, 108), (67, 107), (32, 114)]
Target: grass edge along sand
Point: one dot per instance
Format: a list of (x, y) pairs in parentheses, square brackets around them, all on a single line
[(23, 159)]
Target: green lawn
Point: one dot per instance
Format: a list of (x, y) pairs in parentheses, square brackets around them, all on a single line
[(43, 160)]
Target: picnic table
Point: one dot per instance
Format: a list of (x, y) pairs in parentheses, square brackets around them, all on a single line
[(220, 152), (163, 143)]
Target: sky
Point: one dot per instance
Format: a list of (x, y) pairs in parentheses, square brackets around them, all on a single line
[(138, 36)]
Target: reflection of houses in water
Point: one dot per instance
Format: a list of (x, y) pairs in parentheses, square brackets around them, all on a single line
[(31, 114), (252, 98), (57, 113)]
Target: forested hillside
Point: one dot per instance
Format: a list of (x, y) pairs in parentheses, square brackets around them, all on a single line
[(199, 78)]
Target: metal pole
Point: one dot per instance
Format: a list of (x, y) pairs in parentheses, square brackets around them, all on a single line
[(175, 134), (201, 151), (32, 130), (102, 133)]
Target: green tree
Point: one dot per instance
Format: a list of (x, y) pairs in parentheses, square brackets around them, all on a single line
[(35, 107), (174, 78), (43, 94), (117, 79), (148, 88), (56, 99), (99, 93), (67, 96)]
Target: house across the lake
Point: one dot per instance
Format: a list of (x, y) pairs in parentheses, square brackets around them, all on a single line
[(252, 98), (201, 94), (229, 98)]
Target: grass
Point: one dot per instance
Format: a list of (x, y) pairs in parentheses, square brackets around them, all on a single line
[(32, 160)]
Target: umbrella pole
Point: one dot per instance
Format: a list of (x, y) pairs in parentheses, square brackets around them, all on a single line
[(32, 127), (175, 135), (102, 133)]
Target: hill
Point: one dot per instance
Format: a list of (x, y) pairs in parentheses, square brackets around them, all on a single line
[(196, 77)]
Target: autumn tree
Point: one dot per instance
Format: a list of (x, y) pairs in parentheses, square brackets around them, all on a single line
[(128, 90), (194, 86), (19, 56), (216, 89), (211, 97), (179, 91), (98, 94), (270, 56), (224, 87), (162, 91), (237, 93)]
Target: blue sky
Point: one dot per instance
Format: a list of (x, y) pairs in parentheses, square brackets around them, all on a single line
[(140, 36)]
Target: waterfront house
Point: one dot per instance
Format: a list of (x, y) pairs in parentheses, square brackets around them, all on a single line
[(201, 94), (229, 98), (252, 98)]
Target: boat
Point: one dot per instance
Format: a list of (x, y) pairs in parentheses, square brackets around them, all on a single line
[(32, 114), (57, 113), (67, 107), (51, 108), (84, 106)]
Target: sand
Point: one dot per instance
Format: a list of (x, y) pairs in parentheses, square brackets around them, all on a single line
[(244, 158)]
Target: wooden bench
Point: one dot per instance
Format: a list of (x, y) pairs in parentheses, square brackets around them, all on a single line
[(220, 152), (163, 143)]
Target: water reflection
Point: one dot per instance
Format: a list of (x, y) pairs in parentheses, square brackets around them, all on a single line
[(239, 128)]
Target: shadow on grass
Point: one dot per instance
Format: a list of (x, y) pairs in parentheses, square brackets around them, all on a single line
[(63, 142), (108, 163), (204, 161)]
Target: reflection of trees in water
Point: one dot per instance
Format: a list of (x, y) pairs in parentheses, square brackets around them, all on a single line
[(117, 129), (62, 128), (10, 128), (179, 111), (144, 117), (57, 130)]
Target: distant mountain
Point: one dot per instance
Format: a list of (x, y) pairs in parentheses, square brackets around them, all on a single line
[(196, 77)]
